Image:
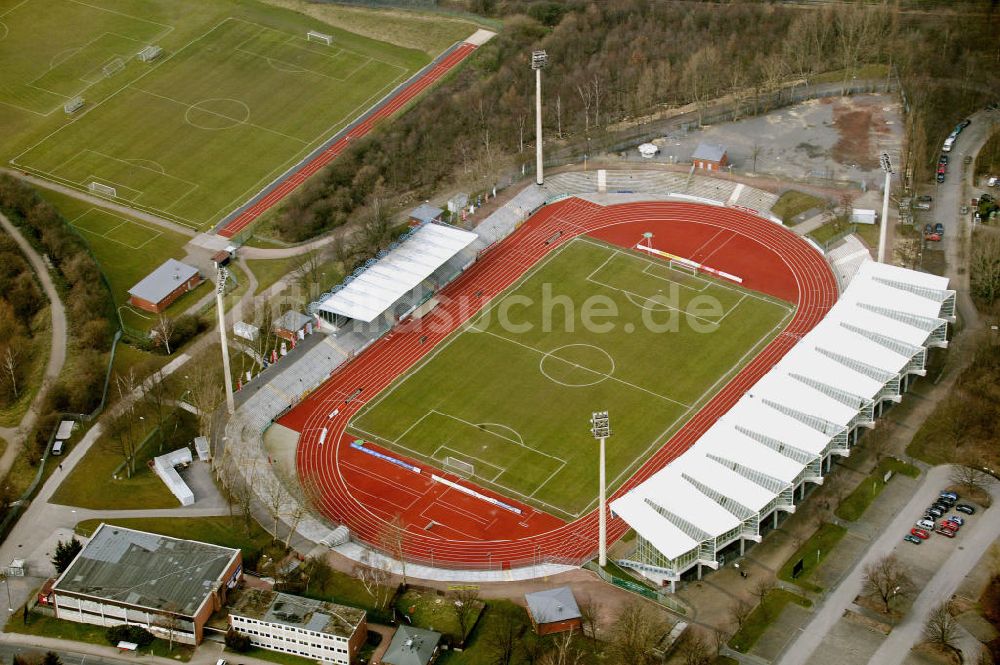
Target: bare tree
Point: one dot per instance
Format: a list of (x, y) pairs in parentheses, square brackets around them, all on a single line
[(307, 272), (171, 622), (885, 579), (562, 652), (760, 589), (163, 331), (274, 497), (319, 572), (205, 392), (504, 633), (375, 577), (941, 631), (237, 473), (635, 633), (984, 268), (755, 153), (586, 96), (590, 611), (695, 650), (465, 601), (559, 133), (392, 539), (10, 362), (156, 400), (738, 613), (972, 480)]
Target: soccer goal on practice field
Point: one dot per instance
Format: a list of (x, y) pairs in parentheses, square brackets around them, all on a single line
[(113, 67), (313, 36), (149, 53), (102, 190), (460, 467), (682, 266)]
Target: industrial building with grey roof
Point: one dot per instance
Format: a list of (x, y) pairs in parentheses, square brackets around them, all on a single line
[(126, 576)]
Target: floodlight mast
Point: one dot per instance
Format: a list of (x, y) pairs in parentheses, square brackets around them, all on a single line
[(600, 427), (220, 288), (539, 59), (884, 228)]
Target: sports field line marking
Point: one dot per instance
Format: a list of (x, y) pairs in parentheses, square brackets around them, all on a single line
[(647, 268), (520, 443), (156, 233), (709, 280), (464, 514), (126, 191), (641, 302), (168, 28), (23, 2), (479, 462), (587, 369)]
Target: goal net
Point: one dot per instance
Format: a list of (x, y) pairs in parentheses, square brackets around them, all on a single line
[(102, 190), (150, 53), (460, 467), (113, 67), (313, 36), (681, 266)]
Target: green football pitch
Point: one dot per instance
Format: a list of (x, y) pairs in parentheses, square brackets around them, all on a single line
[(233, 101), (592, 327)]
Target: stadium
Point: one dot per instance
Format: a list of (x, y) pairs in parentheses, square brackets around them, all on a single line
[(432, 413)]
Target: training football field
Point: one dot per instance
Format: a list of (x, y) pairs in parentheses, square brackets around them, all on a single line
[(592, 327), (192, 134)]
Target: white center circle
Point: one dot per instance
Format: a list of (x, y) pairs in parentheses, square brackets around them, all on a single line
[(551, 360)]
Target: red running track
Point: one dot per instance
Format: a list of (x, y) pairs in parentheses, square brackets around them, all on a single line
[(447, 528), (394, 104)]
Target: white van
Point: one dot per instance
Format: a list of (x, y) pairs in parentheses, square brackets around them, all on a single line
[(57, 448), (948, 143)]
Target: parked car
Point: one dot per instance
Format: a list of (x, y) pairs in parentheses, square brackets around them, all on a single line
[(965, 508), (935, 513), (922, 205), (925, 524), (949, 495), (957, 520), (939, 229), (925, 198), (945, 532), (943, 159), (941, 505), (991, 181), (965, 123), (912, 539), (942, 168), (920, 533), (948, 524), (940, 177)]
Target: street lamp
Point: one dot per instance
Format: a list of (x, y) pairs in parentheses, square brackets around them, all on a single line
[(539, 59), (220, 288), (600, 427), (883, 231)]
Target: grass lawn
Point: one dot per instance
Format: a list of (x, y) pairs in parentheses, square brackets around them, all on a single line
[(46, 626), (794, 202), (125, 248), (194, 133), (90, 484), (478, 650), (269, 271), (828, 232), (855, 504), (224, 531), (270, 656), (428, 610), (543, 355), (812, 552), (762, 616), (429, 32), (868, 233)]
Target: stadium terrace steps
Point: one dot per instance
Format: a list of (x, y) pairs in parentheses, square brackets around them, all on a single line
[(847, 258), (757, 199)]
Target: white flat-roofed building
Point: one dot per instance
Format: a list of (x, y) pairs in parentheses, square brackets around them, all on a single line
[(313, 629)]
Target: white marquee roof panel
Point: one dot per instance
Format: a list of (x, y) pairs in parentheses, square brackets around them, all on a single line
[(376, 289)]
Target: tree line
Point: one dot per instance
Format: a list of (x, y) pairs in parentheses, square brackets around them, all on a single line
[(87, 299), (615, 63), (21, 300)]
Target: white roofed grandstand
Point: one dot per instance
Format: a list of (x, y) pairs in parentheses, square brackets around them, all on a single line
[(755, 460)]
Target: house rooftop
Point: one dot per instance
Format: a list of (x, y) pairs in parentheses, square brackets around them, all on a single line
[(146, 570), (287, 610), (711, 152), (552, 605), (160, 283), (426, 213), (411, 646), (292, 320)]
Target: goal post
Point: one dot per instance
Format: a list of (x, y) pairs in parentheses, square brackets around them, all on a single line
[(73, 105), (460, 467), (102, 190), (113, 67), (314, 36), (682, 266)]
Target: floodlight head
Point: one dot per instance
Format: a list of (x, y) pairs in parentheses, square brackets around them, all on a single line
[(539, 59), (886, 164), (600, 425), (220, 285)]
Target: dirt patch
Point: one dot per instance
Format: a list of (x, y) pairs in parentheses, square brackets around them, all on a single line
[(854, 127), (877, 626)]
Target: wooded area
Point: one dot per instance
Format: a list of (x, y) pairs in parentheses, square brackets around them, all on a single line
[(614, 63), (21, 300)]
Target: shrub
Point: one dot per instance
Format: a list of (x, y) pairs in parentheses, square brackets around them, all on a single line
[(129, 633), (238, 642)]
